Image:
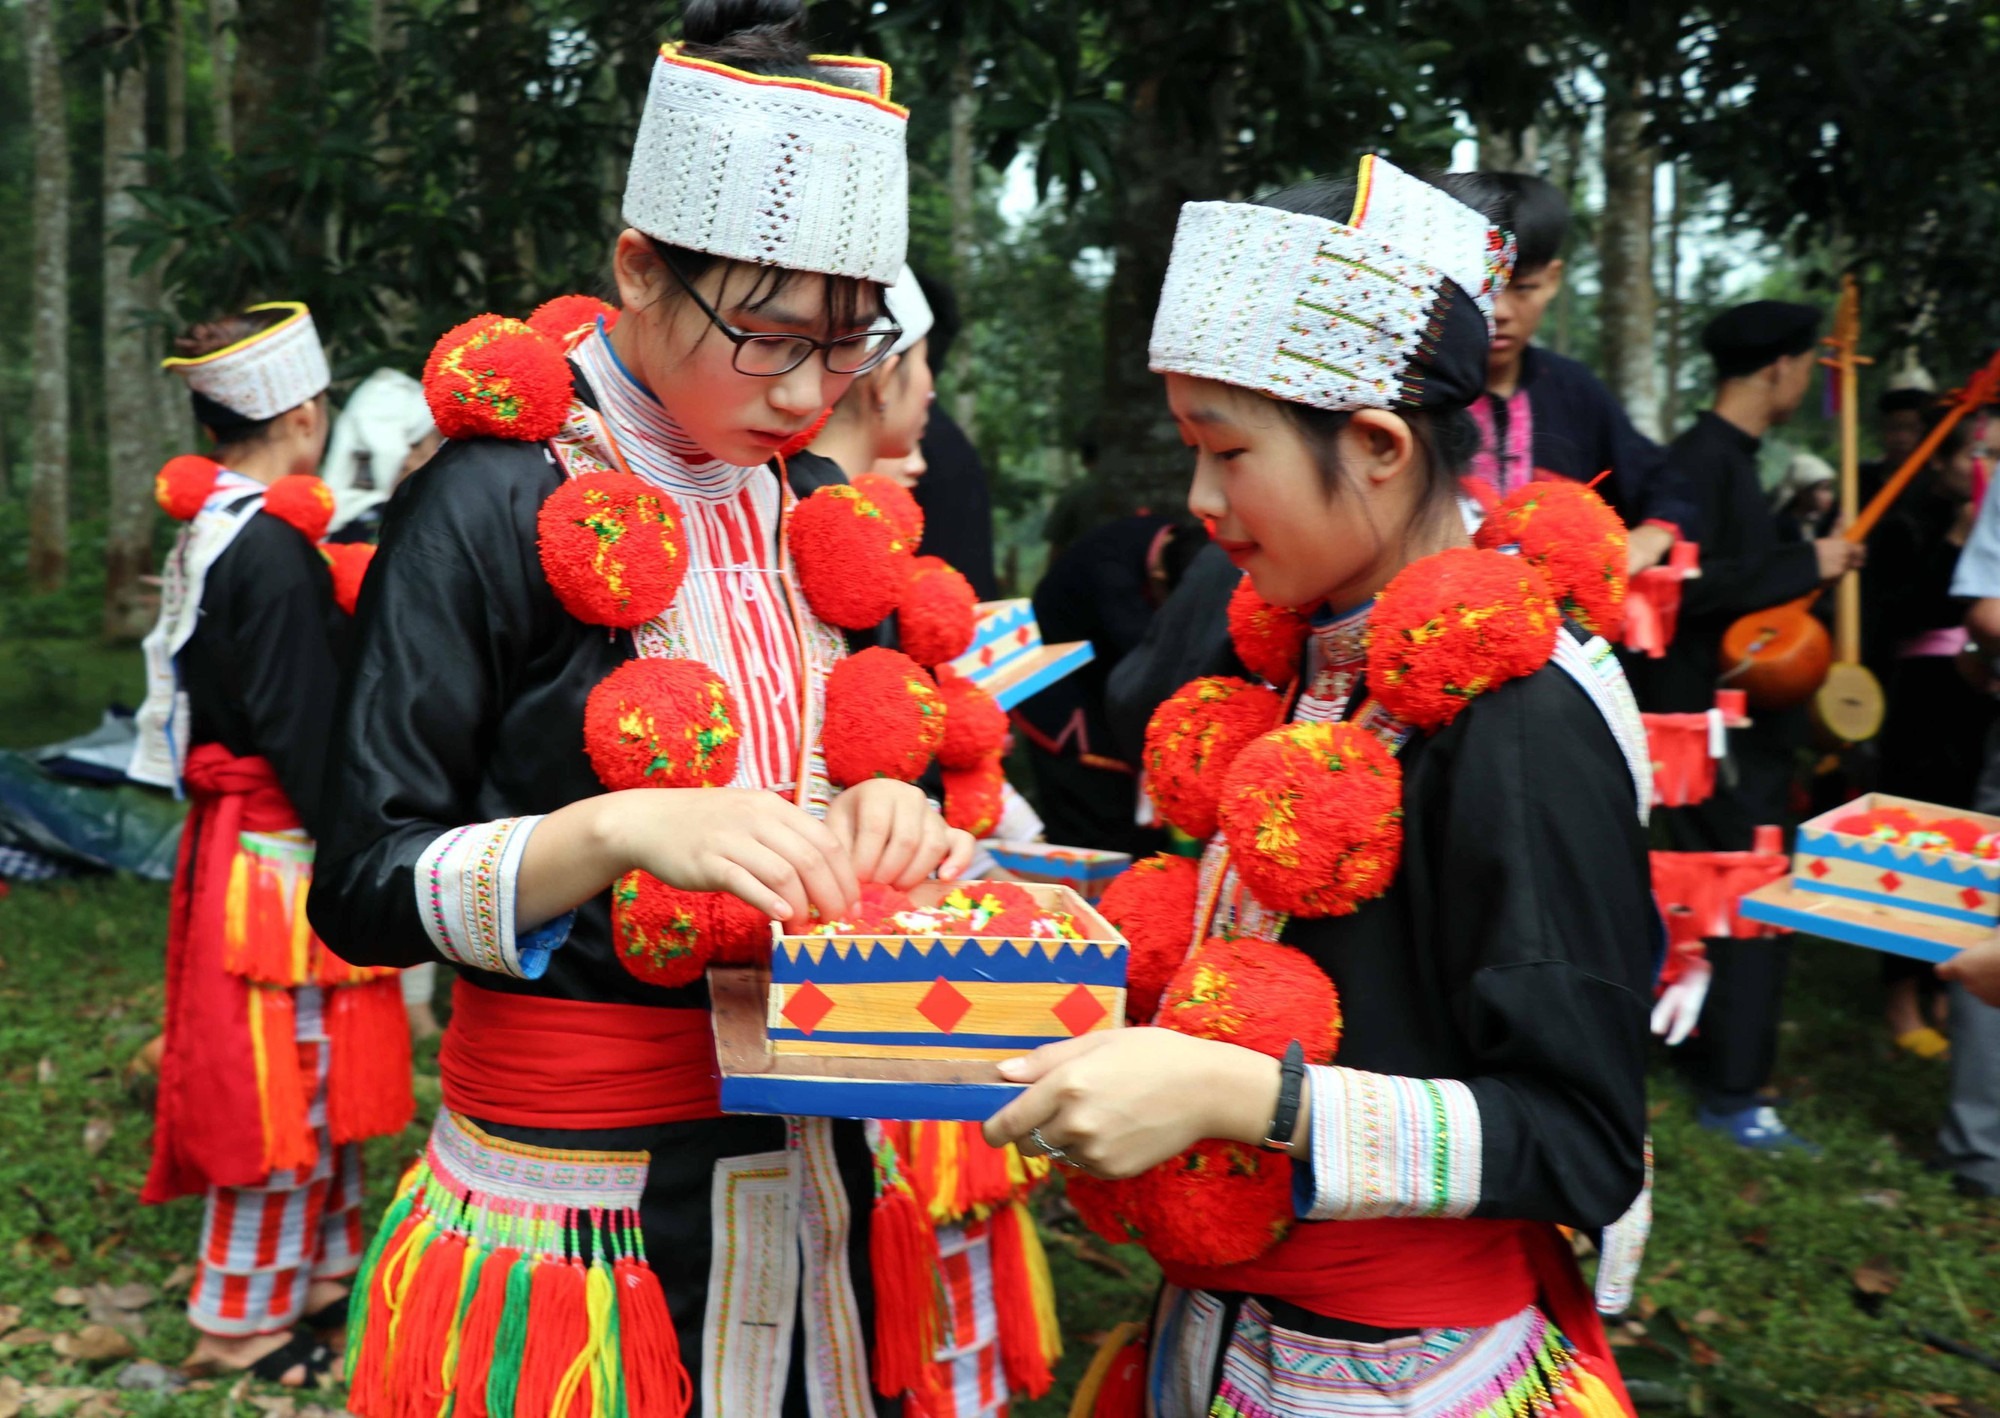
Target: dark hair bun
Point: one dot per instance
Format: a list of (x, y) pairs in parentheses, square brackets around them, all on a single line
[(763, 36)]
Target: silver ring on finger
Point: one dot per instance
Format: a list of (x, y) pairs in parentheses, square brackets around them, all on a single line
[(1052, 1152)]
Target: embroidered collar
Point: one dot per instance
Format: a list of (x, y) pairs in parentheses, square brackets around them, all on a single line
[(656, 446)]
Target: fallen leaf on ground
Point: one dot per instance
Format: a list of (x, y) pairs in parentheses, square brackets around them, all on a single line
[(1752, 1194), (1702, 1353), (45, 1070), (109, 1244), (45, 1401), (1706, 1317), (93, 1344), (69, 1297), (1876, 1278), (45, 1246), (10, 1316), (25, 1338), (96, 1136), (12, 1395), (181, 1277), (132, 1295)]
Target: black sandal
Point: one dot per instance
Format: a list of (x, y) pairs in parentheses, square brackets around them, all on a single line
[(331, 1317), (304, 1350)]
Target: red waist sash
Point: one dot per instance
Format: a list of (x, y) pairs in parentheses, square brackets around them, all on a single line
[(551, 1063), (1424, 1274)]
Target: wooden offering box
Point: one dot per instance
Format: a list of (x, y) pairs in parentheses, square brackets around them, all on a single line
[(909, 1026), (1911, 901), (1085, 870), (1007, 658)]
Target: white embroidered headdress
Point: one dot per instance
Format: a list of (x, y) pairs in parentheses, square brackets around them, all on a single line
[(800, 173), (910, 308), (1338, 316), (262, 375)]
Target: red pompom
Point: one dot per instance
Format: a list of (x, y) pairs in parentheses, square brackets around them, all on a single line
[(1106, 1207), (656, 930), (303, 502), (493, 377), (738, 933), (1218, 1203), (896, 500), (614, 548), (1152, 902), (975, 726), (1454, 625), (884, 718), (938, 613), (1313, 814), (569, 317), (879, 902), (348, 561), (662, 724), (975, 798), (183, 485), (853, 563), (1269, 639), (1193, 738), (1573, 538), (1255, 994)]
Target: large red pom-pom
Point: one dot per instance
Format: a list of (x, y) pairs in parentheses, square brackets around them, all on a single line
[(183, 484), (738, 933), (494, 377), (1454, 625), (348, 562), (302, 502), (896, 500), (1269, 639), (1106, 1207), (975, 798), (1256, 994), (1152, 902), (1193, 738), (662, 724), (938, 613), (656, 930), (884, 718), (1218, 1203), (975, 726), (1313, 814), (614, 548), (1574, 539), (853, 562), (569, 317)]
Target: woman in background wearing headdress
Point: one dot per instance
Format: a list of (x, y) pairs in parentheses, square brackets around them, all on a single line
[(581, 757), (1398, 1042), (280, 1058)]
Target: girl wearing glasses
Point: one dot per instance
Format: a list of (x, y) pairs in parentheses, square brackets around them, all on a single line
[(592, 587)]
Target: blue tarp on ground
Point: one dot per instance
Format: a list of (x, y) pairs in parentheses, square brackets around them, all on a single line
[(124, 828)]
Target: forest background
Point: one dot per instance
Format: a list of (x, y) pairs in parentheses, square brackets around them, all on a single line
[(400, 164)]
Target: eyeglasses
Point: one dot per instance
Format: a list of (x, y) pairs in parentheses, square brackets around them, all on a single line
[(768, 356)]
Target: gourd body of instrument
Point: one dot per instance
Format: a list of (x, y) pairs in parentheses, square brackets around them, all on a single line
[(1849, 707), (1778, 656)]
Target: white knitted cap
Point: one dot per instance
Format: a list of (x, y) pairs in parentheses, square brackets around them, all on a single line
[(264, 375), (909, 309), (804, 174), (1320, 312)]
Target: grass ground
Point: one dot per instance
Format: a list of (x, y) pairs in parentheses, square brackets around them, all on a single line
[(56, 689)]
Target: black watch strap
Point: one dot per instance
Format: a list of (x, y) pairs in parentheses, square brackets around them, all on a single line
[(1291, 1085)]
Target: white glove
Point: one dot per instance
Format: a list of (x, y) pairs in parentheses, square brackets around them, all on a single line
[(1679, 1005)]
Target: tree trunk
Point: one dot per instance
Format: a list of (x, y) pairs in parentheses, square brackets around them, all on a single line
[(280, 45), (130, 399), (1670, 396), (1627, 306), (960, 182), (48, 428), (222, 76), (174, 57)]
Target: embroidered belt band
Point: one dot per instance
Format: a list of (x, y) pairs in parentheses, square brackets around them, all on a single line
[(512, 1281)]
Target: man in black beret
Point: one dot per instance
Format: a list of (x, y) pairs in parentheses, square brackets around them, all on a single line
[(1764, 361)]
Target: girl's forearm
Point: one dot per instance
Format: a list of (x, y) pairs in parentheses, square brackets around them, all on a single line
[(1245, 1099), (574, 853)]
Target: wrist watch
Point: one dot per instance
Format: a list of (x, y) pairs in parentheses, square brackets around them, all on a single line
[(1291, 1087)]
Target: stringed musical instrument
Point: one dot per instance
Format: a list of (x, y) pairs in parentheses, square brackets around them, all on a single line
[(1783, 656)]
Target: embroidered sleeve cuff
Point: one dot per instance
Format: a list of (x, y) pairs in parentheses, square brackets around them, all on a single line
[(1389, 1146), (465, 887)]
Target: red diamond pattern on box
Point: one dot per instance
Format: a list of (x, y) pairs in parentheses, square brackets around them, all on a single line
[(1079, 1011), (807, 1007), (1890, 881), (944, 1004), (1973, 899), (1818, 867)]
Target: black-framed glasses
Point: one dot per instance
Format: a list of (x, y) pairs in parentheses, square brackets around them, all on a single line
[(768, 356)]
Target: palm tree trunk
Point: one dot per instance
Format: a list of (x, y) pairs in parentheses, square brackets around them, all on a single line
[(222, 76), (48, 434), (1627, 307), (130, 399), (959, 185)]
